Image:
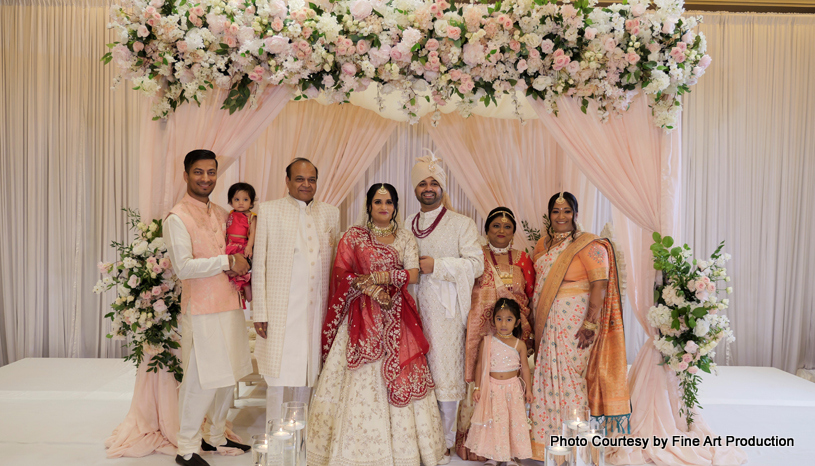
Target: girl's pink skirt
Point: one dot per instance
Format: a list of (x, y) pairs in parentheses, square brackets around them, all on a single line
[(506, 437)]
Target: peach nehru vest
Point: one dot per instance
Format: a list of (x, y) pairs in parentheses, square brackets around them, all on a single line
[(205, 224)]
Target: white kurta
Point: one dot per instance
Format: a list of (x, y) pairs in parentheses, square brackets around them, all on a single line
[(444, 296), (303, 314), (220, 340)]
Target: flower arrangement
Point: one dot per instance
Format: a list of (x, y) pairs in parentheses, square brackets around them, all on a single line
[(145, 312), (687, 313), (433, 49)]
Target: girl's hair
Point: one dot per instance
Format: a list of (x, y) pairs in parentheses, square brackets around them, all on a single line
[(242, 187), (572, 201), (512, 306), (369, 198)]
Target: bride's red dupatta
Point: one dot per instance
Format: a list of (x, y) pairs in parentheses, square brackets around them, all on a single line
[(373, 332)]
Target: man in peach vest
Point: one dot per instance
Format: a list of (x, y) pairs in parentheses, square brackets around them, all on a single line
[(214, 341)]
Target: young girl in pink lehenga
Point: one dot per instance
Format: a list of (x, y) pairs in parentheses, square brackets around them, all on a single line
[(240, 232), (499, 428)]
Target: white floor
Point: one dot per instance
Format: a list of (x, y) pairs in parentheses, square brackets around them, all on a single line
[(59, 412)]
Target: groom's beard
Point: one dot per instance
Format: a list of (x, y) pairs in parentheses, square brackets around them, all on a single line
[(429, 200)]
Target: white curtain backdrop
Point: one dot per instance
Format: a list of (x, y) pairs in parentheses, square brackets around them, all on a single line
[(68, 164), (749, 176)]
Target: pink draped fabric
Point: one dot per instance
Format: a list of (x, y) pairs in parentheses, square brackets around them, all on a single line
[(341, 140), (502, 163), (165, 143), (637, 167), (151, 425)]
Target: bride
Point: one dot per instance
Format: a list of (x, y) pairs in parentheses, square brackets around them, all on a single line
[(374, 401)]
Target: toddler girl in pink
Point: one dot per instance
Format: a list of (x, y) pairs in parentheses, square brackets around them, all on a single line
[(499, 429), (240, 232)]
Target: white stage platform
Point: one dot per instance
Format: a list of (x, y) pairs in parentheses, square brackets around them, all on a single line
[(60, 411)]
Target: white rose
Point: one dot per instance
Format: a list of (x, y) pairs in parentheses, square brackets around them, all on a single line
[(729, 289), (702, 327), (140, 247), (153, 227), (157, 244)]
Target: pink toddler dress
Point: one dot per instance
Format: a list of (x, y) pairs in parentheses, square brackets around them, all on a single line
[(237, 237), (499, 429)]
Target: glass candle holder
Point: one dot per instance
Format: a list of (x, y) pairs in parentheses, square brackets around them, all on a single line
[(281, 444), (295, 415), (260, 449), (593, 453), (559, 456), (575, 420)]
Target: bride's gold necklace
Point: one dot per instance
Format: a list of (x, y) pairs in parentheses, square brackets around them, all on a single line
[(558, 238), (381, 232)]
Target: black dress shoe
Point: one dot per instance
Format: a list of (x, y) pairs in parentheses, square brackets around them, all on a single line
[(229, 444), (196, 460)]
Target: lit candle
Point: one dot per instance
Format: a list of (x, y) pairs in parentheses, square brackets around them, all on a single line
[(281, 435), (557, 456)]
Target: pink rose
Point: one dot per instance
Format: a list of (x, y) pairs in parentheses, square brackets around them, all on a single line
[(276, 44), (547, 46), (522, 65), (432, 44), (638, 9), (573, 67), (182, 46), (682, 366), (234, 28), (396, 54), (515, 45), (632, 58), (133, 282), (713, 311), (691, 347), (473, 53), (231, 41), (711, 288), (698, 71), (328, 81), (148, 12), (165, 288), (652, 47), (682, 46), (455, 74), (693, 369), (687, 357), (363, 46), (704, 62), (380, 56), (303, 46), (534, 53), (349, 68), (700, 285), (680, 57), (156, 290), (609, 44), (160, 306), (157, 269), (668, 26), (198, 11), (631, 24), (568, 11), (560, 60), (590, 33), (256, 74), (138, 46), (307, 32), (361, 9), (312, 92), (122, 54), (635, 31), (453, 32), (688, 37), (152, 22), (277, 24), (142, 31), (702, 295)]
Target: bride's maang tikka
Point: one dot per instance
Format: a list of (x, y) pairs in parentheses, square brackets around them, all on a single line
[(560, 199), (382, 189)]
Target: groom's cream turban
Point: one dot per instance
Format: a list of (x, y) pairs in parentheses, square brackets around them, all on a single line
[(427, 166)]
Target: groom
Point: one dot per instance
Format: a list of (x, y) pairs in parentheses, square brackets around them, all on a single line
[(214, 341)]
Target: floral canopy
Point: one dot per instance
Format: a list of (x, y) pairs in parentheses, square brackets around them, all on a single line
[(465, 55)]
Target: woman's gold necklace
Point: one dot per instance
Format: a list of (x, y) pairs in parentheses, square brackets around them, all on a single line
[(381, 232)]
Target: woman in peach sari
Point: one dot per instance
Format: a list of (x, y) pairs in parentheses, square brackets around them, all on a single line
[(508, 273), (578, 329)]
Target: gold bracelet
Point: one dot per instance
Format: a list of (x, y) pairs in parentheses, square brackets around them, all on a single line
[(591, 326), (477, 388)]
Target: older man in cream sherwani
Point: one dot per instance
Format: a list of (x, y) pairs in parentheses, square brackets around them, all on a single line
[(294, 252), (450, 261)]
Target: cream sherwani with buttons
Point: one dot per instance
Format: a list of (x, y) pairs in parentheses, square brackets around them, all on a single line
[(293, 255)]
